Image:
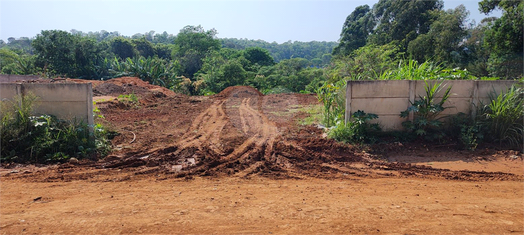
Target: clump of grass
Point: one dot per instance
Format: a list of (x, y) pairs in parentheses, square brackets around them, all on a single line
[(129, 99), (314, 117), (412, 70)]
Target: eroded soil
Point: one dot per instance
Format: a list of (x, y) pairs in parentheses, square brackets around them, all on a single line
[(240, 162)]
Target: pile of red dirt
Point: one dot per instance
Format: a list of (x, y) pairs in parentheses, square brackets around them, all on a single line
[(238, 91), (124, 85)]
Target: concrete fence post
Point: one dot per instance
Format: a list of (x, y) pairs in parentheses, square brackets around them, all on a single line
[(475, 99), (19, 92), (347, 114), (89, 98), (412, 89)]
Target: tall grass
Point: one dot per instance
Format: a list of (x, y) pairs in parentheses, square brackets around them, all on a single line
[(412, 70), (503, 117), (358, 130)]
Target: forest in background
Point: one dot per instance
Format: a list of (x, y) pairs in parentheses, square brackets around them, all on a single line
[(390, 40)]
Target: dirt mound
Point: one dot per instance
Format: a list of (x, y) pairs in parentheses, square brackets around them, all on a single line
[(123, 85), (238, 91)]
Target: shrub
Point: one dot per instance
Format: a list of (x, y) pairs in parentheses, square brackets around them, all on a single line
[(45, 138), (358, 130), (426, 110), (466, 130), (503, 117)]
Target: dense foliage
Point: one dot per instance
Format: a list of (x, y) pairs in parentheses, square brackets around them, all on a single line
[(423, 31), (39, 139)]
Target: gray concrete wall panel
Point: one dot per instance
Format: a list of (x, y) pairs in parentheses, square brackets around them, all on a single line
[(388, 98)]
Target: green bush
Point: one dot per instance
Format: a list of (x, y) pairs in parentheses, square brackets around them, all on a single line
[(502, 118), (466, 131), (45, 138), (358, 130)]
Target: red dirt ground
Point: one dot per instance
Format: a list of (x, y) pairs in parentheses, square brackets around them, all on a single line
[(239, 162)]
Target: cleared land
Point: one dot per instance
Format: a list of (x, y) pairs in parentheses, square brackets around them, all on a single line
[(241, 162)]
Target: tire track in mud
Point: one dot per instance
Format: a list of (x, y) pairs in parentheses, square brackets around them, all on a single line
[(259, 132), (207, 149), (205, 129), (200, 150)]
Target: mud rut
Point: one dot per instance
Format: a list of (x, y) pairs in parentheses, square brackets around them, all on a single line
[(259, 148)]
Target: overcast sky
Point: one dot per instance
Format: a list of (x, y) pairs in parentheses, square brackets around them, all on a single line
[(269, 20)]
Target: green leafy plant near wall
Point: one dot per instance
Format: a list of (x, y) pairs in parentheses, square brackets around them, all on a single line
[(502, 118), (332, 97), (44, 138), (426, 110), (358, 130), (466, 130)]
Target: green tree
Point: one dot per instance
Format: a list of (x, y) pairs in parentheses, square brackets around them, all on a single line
[(368, 62), (123, 48), (229, 73), (192, 44), (504, 38), (55, 51), (257, 55), (475, 56), (356, 29), (86, 58), (61, 53), (444, 37), (402, 21), (144, 47)]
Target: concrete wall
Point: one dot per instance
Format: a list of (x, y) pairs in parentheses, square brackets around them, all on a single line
[(66, 101), (6, 78), (388, 98)]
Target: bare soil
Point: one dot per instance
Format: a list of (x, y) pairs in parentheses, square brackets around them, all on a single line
[(240, 162)]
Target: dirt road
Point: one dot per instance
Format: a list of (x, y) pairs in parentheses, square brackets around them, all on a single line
[(239, 162), (263, 206)]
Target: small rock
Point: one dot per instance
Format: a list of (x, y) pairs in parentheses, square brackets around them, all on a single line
[(73, 160)]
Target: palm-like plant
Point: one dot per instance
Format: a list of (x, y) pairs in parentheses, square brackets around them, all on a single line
[(154, 70), (426, 110)]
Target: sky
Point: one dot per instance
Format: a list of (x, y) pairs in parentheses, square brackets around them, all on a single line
[(269, 20)]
